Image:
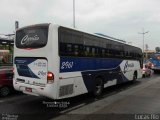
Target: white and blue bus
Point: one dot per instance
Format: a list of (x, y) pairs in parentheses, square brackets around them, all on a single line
[(59, 62)]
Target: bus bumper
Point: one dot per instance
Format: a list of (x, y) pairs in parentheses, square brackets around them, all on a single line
[(49, 90)]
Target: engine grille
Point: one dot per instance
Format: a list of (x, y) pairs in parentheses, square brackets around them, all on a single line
[(66, 90)]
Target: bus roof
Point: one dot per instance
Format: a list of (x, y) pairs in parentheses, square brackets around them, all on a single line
[(97, 35)]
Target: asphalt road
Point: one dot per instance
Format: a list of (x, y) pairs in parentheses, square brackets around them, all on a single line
[(126, 101)]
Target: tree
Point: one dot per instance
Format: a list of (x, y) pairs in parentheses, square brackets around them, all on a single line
[(157, 49)]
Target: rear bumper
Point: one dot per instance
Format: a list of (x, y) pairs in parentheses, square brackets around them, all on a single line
[(49, 90)]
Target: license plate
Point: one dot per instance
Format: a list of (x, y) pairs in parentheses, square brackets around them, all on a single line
[(28, 89)]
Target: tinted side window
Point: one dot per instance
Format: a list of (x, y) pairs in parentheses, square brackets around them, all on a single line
[(75, 43), (70, 42)]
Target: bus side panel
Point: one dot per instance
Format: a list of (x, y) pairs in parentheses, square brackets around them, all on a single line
[(90, 68), (122, 73), (71, 84), (110, 77), (129, 67)]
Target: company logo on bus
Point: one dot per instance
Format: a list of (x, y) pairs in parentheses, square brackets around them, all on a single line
[(127, 66), (26, 39)]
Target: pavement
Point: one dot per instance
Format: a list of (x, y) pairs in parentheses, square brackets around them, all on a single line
[(139, 102), (130, 101)]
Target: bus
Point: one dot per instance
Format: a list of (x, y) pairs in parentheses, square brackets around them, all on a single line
[(59, 62), (154, 62)]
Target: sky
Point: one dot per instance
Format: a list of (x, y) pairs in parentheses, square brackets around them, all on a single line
[(122, 19)]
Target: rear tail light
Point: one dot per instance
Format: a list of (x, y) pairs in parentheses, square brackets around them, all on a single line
[(50, 77)]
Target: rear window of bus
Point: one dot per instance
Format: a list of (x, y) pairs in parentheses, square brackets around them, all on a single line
[(32, 37)]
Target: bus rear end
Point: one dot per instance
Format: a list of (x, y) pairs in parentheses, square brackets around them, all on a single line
[(31, 72)]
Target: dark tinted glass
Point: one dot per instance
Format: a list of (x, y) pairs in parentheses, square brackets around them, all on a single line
[(32, 37), (76, 43)]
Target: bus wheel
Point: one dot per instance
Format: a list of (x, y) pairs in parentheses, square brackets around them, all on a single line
[(4, 91), (135, 76), (98, 87)]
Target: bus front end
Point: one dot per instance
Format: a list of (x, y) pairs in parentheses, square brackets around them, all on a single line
[(32, 73)]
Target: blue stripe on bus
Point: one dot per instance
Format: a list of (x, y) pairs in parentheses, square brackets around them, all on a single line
[(107, 75), (23, 69), (72, 64), (25, 61), (91, 68)]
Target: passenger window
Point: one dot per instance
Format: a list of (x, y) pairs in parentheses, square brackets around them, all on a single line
[(76, 50), (103, 52), (69, 48), (93, 51)]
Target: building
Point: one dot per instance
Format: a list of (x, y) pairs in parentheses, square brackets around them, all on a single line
[(148, 53)]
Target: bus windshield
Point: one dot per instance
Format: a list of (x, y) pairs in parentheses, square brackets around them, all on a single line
[(32, 37)]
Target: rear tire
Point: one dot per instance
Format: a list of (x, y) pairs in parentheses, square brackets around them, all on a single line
[(134, 76), (98, 87), (4, 91)]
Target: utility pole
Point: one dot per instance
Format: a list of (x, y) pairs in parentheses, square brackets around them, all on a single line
[(16, 25), (143, 33), (146, 50), (74, 14)]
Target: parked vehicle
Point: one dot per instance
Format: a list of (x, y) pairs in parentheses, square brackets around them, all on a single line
[(6, 80), (146, 71)]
